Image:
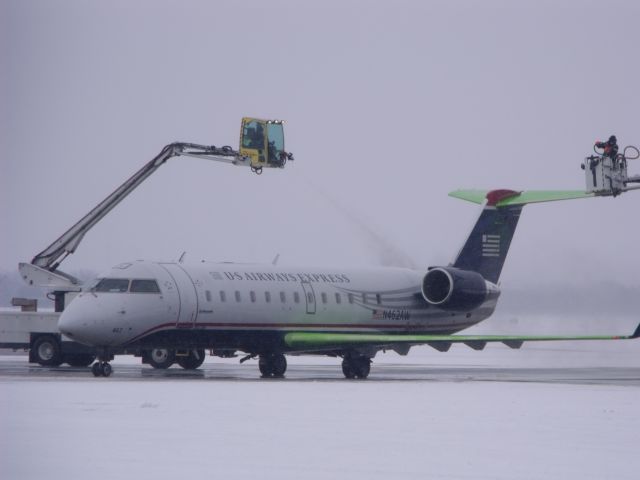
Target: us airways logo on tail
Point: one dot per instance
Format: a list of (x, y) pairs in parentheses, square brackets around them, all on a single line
[(490, 245)]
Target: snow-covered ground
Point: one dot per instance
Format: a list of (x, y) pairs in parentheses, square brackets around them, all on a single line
[(83, 427)]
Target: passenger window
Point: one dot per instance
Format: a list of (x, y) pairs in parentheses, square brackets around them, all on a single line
[(267, 297), (283, 297), (207, 295), (223, 296), (238, 299), (338, 299), (112, 285), (324, 297), (296, 297), (144, 286), (252, 295), (350, 296)]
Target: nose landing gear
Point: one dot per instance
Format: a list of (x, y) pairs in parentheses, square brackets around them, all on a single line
[(102, 368)]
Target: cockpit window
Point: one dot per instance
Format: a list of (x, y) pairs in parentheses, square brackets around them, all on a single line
[(91, 286), (144, 286), (112, 285)]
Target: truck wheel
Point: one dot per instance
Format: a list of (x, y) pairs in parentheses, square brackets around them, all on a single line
[(80, 359), (161, 357), (46, 351), (193, 360)]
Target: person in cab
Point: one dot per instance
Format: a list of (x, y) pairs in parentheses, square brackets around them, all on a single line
[(255, 137)]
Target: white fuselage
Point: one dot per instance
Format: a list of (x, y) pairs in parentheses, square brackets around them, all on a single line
[(223, 304)]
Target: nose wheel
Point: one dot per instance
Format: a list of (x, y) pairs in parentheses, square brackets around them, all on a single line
[(101, 369)]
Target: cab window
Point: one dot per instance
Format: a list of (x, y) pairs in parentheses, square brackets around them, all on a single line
[(253, 135), (144, 286), (276, 142), (112, 285)]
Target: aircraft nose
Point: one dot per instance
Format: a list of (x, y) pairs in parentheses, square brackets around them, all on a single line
[(71, 325), (78, 323)]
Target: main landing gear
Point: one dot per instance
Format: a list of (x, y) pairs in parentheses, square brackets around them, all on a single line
[(356, 366), (272, 365)]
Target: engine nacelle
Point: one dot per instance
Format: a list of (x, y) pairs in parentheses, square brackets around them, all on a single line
[(454, 289)]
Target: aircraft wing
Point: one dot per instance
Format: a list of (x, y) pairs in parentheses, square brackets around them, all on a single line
[(318, 341)]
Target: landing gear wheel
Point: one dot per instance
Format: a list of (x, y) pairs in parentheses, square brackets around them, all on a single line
[(106, 369), (347, 369), (46, 351), (161, 358), (80, 359), (356, 366), (101, 369), (273, 365), (363, 367), (193, 360), (279, 365)]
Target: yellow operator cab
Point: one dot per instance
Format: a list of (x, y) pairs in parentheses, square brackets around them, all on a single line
[(262, 141)]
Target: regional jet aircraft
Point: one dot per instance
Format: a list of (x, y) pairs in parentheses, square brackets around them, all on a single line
[(170, 312)]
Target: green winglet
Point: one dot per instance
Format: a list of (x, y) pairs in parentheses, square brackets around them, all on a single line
[(316, 341), (537, 196), (530, 196), (475, 196)]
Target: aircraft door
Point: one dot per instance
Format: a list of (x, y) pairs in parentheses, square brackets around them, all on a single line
[(309, 297), (187, 295)]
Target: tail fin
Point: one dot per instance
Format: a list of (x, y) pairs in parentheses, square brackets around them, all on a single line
[(485, 250)]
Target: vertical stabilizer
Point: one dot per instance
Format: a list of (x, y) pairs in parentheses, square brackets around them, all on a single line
[(485, 250)]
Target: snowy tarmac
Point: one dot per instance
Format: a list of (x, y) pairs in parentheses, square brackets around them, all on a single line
[(561, 411), (211, 371)]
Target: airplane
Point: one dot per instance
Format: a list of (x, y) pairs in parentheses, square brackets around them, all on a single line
[(161, 309)]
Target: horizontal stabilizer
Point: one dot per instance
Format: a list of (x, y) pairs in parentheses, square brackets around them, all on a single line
[(318, 341), (521, 198)]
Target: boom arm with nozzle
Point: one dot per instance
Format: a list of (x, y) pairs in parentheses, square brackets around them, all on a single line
[(42, 271)]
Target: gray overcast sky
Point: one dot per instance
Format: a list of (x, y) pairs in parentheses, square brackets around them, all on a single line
[(389, 105)]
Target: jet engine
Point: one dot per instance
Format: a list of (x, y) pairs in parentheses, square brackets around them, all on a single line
[(454, 289)]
